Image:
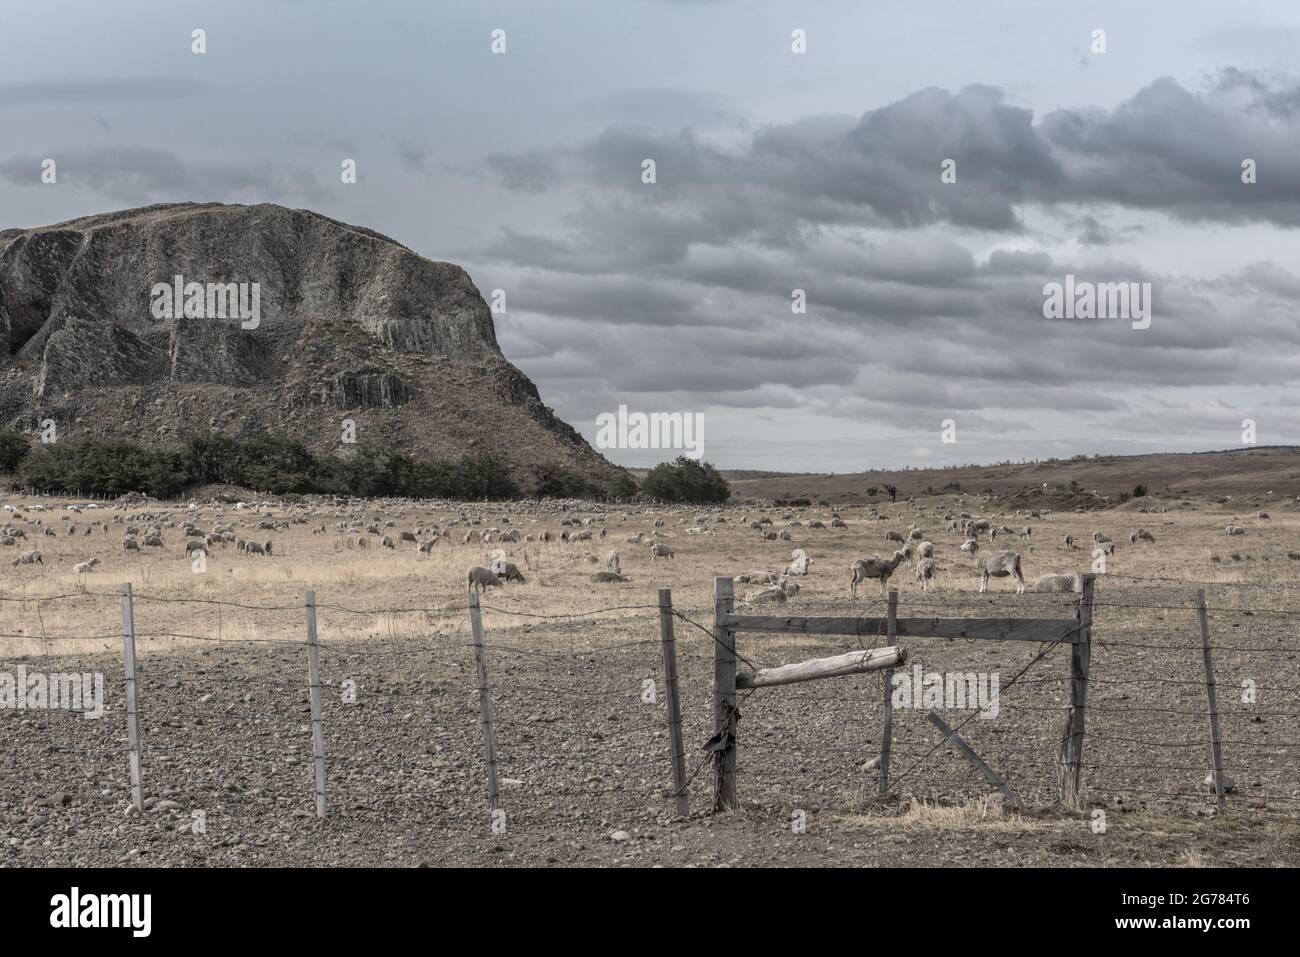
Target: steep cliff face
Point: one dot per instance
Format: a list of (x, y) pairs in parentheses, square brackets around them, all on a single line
[(156, 323)]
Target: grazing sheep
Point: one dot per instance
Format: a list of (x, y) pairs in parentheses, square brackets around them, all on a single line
[(1235, 530), (607, 578), (82, 568), (1141, 535), (874, 567), (613, 562), (660, 550), (970, 547), (1059, 583), (894, 537), (1105, 548), (29, 558), (387, 542), (510, 573), (407, 536), (838, 522), (925, 570), (1262, 516), (925, 550), (1069, 541), (130, 545), (426, 548), (915, 535), (1000, 565), (252, 548), (481, 579)]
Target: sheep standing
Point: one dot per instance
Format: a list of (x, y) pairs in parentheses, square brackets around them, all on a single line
[(925, 570), (660, 550), (1000, 565), (874, 567)]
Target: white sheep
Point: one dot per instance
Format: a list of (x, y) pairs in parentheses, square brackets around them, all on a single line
[(925, 570), (1059, 583), (1000, 565)]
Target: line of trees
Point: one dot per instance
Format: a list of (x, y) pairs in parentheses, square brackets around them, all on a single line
[(282, 466)]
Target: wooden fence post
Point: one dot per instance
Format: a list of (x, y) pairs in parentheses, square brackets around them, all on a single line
[(676, 750), (1071, 770), (724, 696), (313, 686), (887, 726), (485, 699), (132, 707), (1216, 748)]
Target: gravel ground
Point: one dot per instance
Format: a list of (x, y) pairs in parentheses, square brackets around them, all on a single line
[(584, 758)]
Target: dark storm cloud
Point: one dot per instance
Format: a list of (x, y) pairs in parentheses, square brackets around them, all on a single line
[(1166, 148)]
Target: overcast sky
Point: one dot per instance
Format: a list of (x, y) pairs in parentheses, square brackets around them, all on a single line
[(775, 171)]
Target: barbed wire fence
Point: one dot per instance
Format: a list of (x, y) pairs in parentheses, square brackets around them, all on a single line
[(581, 710)]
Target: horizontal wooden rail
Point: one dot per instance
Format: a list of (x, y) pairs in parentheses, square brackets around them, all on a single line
[(853, 663), (992, 629)]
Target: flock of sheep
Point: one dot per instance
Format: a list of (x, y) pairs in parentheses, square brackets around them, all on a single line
[(199, 530)]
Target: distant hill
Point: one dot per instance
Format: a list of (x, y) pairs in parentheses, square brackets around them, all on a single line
[(352, 325), (1233, 472)]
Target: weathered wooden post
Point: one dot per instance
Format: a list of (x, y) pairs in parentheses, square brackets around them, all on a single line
[(677, 753), (887, 726), (485, 698), (313, 688), (1216, 748), (724, 696), (132, 708), (1071, 769)]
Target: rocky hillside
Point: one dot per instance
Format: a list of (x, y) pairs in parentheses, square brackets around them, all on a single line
[(348, 324)]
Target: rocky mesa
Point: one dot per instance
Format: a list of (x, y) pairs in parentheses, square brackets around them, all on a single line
[(154, 324)]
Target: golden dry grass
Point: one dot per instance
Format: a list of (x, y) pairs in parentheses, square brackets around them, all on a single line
[(1188, 544)]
